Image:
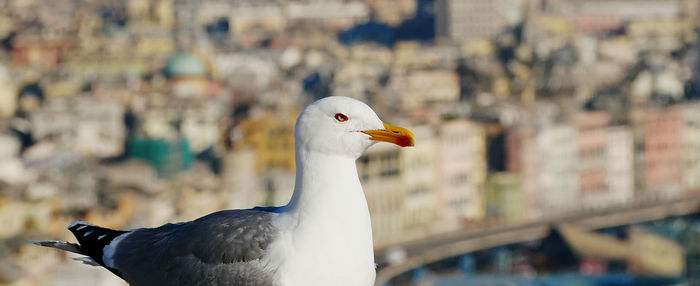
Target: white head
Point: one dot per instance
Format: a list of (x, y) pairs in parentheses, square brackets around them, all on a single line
[(344, 126)]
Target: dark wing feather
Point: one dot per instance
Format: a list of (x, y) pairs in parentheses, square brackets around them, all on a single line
[(222, 248)]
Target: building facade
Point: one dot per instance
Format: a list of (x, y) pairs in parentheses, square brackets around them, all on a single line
[(460, 20), (462, 169)]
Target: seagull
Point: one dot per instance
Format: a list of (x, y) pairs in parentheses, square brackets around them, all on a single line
[(323, 236)]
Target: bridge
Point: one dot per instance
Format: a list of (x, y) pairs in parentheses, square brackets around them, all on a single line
[(484, 236)]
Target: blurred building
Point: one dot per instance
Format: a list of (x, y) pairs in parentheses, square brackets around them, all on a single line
[(252, 17), (159, 12), (168, 155), (419, 174), (430, 188), (592, 142), (550, 171), (271, 136), (334, 13), (514, 144), (392, 12), (242, 179), (605, 160), (619, 166), (601, 16), (89, 126), (250, 72), (670, 144), (380, 172), (662, 150), (425, 88), (504, 196), (690, 146), (277, 187), (8, 95), (460, 20), (40, 52), (462, 169), (188, 75), (119, 70)]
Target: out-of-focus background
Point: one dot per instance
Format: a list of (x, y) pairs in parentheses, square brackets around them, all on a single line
[(557, 141)]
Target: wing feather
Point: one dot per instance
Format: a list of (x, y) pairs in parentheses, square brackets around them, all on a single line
[(222, 248)]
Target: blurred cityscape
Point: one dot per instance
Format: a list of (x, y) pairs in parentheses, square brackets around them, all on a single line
[(134, 113)]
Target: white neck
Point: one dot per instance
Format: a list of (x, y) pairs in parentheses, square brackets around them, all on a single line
[(327, 190), (323, 177), (326, 223)]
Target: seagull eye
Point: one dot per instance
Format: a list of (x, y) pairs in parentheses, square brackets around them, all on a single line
[(341, 117)]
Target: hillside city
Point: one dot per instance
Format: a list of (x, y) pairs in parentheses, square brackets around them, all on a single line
[(137, 113)]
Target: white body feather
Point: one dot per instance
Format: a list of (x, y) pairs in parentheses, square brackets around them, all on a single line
[(326, 234)]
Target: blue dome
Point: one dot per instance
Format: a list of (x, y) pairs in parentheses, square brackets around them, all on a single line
[(184, 64)]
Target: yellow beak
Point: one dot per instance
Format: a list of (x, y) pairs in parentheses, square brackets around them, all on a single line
[(392, 134)]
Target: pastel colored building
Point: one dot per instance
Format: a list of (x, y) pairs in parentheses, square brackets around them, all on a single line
[(41, 52), (599, 16), (662, 150), (504, 196), (606, 160), (592, 141)]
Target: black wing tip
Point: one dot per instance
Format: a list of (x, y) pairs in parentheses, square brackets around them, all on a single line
[(79, 224)]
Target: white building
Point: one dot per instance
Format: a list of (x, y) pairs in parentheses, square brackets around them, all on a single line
[(550, 171), (461, 169), (620, 164), (89, 126), (418, 172), (379, 170), (245, 70)]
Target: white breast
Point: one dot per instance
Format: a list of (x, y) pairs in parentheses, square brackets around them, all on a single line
[(328, 258)]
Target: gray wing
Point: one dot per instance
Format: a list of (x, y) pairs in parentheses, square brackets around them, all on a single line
[(222, 248)]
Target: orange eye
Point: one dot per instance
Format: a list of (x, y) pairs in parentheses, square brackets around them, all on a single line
[(341, 117)]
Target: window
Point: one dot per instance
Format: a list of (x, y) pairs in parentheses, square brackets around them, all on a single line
[(460, 179)]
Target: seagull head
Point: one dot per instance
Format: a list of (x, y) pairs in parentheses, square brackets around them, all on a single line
[(344, 126)]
